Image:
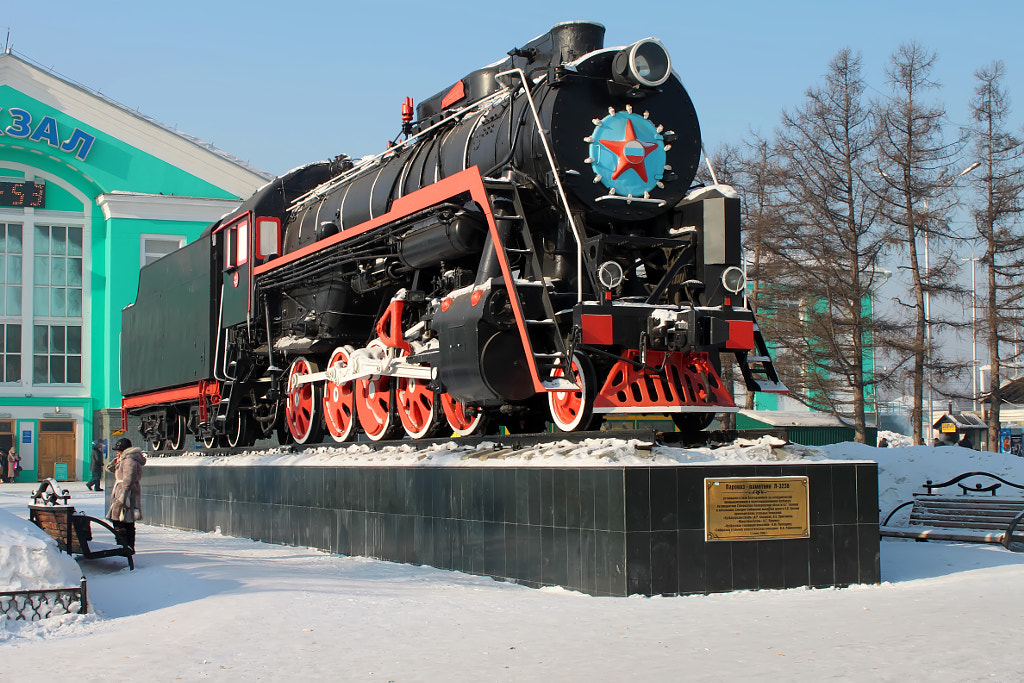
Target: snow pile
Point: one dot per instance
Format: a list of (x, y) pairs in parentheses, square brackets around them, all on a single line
[(895, 440), (30, 560), (767, 449)]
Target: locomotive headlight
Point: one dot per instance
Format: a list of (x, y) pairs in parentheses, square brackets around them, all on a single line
[(610, 274), (734, 280), (644, 63)]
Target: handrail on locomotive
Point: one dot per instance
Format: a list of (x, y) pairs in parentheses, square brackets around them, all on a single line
[(555, 171)]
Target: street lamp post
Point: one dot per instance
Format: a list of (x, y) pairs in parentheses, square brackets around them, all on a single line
[(975, 388), (974, 311), (928, 328), (974, 332), (927, 301)]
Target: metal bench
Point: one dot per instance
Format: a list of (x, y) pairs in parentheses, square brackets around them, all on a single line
[(71, 529), (975, 515)]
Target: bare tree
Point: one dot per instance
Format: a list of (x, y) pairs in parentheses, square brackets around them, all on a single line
[(998, 186), (914, 161), (764, 209), (828, 252)]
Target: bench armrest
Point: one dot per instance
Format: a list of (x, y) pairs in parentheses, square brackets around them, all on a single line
[(83, 524)]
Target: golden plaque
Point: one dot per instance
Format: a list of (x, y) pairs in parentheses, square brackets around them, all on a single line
[(756, 508)]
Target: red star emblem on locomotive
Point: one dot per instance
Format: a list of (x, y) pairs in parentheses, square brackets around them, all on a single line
[(631, 153)]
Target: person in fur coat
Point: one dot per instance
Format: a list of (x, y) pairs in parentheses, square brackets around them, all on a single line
[(126, 496), (11, 465)]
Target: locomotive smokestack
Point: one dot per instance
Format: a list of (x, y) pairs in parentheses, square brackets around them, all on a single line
[(570, 40)]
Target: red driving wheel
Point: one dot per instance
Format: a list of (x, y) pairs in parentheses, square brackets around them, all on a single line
[(301, 411), (339, 402), (375, 407), (462, 421), (417, 407), (572, 409)]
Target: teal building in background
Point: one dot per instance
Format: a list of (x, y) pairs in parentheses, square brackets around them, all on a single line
[(90, 191)]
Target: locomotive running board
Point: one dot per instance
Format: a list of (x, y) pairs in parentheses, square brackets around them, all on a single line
[(472, 182), (204, 392)]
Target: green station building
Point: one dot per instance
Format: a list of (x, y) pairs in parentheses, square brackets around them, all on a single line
[(90, 190)]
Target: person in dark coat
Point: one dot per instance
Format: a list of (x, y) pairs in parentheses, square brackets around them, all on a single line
[(96, 466), (126, 496)]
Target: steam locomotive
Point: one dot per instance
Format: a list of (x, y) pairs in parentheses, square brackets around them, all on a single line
[(529, 249)]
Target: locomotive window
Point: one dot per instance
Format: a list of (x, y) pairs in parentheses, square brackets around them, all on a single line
[(230, 246), (243, 242), (268, 237), (236, 245)]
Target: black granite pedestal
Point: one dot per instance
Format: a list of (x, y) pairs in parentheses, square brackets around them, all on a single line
[(602, 530)]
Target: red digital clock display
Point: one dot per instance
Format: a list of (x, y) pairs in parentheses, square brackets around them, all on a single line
[(27, 194)]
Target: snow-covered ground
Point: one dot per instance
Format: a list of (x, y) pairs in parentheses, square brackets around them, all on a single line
[(204, 606)]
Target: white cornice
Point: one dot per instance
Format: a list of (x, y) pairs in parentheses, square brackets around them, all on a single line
[(160, 207), (137, 130)]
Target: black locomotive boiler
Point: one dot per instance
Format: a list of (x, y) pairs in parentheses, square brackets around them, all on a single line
[(530, 250)]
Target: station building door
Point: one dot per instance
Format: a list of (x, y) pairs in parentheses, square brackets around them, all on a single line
[(6, 435), (56, 447)]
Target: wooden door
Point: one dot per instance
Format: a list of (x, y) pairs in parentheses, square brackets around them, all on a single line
[(6, 435), (56, 447)]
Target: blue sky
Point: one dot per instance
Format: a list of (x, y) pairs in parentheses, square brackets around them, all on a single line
[(282, 84)]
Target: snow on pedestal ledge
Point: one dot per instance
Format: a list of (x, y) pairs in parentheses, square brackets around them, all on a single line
[(596, 452)]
